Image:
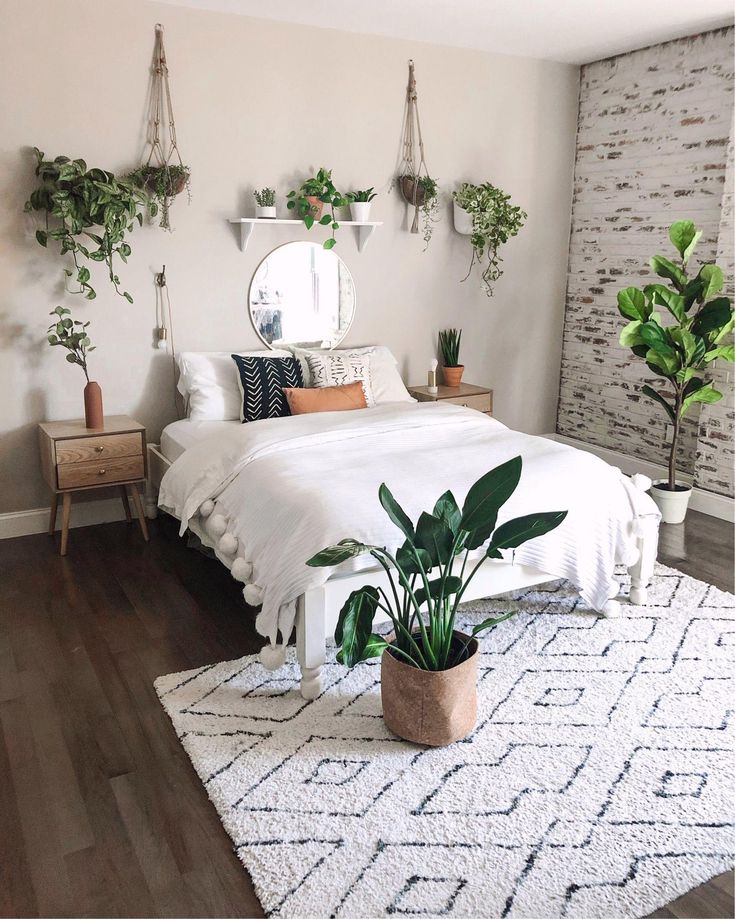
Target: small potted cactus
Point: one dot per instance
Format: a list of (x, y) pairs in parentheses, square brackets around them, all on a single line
[(265, 203)]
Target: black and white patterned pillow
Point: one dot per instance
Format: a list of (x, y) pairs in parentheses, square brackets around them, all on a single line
[(339, 369), (262, 380)]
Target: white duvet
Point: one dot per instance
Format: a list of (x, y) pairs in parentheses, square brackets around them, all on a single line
[(288, 487)]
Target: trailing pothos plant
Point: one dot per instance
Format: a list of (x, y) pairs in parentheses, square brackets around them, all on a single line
[(428, 576), (429, 207), (494, 221), (681, 351), (322, 188), (89, 212)]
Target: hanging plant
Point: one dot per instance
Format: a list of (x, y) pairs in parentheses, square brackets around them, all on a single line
[(416, 185), (494, 221), (308, 203), (163, 175), (76, 200)]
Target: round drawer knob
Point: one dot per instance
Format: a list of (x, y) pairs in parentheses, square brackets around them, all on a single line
[(99, 449), (101, 471)]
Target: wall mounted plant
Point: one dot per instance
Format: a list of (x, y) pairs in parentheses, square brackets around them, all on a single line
[(680, 352), (89, 212), (309, 200), (494, 220)]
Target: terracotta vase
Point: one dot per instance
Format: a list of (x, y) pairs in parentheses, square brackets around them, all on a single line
[(94, 416), (432, 707), (453, 375), (317, 206)]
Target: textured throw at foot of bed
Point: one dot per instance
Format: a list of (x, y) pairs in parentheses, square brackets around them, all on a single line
[(598, 782)]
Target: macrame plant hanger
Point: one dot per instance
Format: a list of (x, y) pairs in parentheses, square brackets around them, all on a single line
[(409, 170), (162, 112)]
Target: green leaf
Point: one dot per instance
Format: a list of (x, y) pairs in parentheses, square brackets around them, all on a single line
[(374, 647), (663, 296), (308, 221), (725, 353), (325, 219), (127, 296), (489, 623), (633, 303), (335, 555), (83, 275), (435, 537), (712, 279), (515, 532), (630, 337), (657, 397), (42, 237), (452, 585), (726, 330), (71, 358), (354, 624), (667, 269), (665, 359), (447, 509), (706, 393), (330, 243), (684, 235), (653, 335), (488, 495), (692, 346), (712, 317), (406, 559), (394, 510)]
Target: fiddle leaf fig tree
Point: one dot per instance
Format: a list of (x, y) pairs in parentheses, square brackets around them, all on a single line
[(88, 212), (697, 332)]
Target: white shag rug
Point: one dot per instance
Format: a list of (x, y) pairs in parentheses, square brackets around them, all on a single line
[(598, 782)]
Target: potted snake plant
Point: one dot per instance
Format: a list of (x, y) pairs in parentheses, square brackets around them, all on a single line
[(452, 370), (428, 668), (360, 204), (680, 352)]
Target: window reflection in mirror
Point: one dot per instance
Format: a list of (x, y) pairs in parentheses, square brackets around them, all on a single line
[(302, 294)]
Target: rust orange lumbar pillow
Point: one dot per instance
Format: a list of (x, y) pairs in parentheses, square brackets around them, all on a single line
[(326, 399)]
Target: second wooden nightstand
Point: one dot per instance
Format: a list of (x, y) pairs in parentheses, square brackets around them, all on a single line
[(75, 458), (477, 397)]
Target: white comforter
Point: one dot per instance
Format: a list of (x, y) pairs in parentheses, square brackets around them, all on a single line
[(288, 487)]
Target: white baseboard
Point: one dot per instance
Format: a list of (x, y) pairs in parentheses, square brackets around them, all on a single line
[(83, 514), (707, 502)]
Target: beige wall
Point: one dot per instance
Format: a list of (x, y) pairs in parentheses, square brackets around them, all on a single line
[(261, 103)]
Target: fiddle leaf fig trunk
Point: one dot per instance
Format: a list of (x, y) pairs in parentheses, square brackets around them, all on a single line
[(697, 331)]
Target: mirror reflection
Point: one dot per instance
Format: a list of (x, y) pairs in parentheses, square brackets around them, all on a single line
[(302, 294)]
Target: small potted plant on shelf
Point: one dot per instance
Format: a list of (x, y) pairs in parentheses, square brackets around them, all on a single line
[(265, 203), (360, 204), (486, 215), (681, 352), (308, 203), (449, 342), (422, 192), (428, 668), (72, 334), (163, 183)]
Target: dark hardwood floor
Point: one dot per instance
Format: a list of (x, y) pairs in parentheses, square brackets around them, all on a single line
[(101, 813)]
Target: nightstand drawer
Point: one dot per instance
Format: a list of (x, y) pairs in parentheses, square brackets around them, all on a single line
[(80, 475), (481, 403), (85, 449)]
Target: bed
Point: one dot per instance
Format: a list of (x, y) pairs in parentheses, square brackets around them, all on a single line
[(266, 496)]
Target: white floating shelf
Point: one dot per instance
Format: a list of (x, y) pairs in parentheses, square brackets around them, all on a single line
[(365, 229)]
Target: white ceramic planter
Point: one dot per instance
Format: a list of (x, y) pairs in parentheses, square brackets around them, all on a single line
[(268, 213), (672, 504), (360, 211), (462, 220)]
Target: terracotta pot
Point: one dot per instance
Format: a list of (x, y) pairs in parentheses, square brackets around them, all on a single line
[(453, 375), (409, 188), (430, 707), (94, 416), (317, 206)]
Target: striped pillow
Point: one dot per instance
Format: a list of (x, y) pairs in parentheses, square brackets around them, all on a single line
[(262, 381)]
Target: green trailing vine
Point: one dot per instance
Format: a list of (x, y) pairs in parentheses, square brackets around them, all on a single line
[(494, 221), (88, 212), (322, 188)]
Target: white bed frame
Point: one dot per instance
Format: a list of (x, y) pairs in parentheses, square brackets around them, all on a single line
[(317, 610)]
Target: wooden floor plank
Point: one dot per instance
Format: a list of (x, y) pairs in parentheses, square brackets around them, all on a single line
[(85, 745)]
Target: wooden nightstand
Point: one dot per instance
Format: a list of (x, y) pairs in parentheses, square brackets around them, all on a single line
[(75, 458), (477, 397)]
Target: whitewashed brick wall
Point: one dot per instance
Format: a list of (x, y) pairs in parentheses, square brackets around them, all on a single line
[(653, 134)]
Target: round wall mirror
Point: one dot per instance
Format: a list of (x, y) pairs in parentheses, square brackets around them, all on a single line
[(302, 294)]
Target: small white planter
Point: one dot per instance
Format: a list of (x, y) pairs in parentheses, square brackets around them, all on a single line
[(265, 213), (360, 211), (462, 220), (672, 504)]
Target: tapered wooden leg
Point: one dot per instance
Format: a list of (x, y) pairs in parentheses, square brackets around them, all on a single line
[(65, 516), (126, 503), (52, 515), (139, 511)]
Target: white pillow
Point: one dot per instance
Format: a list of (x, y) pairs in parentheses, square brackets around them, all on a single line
[(336, 368), (385, 380), (208, 381)]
